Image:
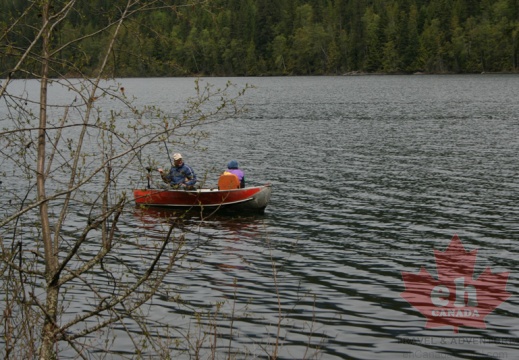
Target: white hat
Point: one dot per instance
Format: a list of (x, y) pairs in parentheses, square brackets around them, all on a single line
[(177, 156)]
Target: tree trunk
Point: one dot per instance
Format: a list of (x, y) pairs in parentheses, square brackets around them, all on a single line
[(52, 291)]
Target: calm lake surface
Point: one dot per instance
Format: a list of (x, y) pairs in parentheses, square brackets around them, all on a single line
[(370, 176)]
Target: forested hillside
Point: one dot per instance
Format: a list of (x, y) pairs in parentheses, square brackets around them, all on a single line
[(277, 37)]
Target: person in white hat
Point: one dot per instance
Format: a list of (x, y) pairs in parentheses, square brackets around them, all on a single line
[(180, 176)]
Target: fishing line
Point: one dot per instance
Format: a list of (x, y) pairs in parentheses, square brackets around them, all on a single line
[(167, 151)]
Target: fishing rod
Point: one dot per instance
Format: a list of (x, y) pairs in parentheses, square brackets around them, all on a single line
[(167, 151), (149, 169)]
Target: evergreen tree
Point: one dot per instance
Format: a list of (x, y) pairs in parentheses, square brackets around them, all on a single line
[(226, 37)]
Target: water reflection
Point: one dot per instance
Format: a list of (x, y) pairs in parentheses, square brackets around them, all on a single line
[(231, 231), (242, 224)]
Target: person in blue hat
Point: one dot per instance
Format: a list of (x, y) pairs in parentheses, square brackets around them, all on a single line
[(233, 168)]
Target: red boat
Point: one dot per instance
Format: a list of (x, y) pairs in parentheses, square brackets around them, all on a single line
[(250, 199)]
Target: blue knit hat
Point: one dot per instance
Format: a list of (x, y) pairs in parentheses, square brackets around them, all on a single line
[(233, 164)]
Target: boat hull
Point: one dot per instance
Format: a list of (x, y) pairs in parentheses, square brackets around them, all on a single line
[(253, 199)]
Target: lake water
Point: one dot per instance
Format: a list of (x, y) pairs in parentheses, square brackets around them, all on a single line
[(370, 175)]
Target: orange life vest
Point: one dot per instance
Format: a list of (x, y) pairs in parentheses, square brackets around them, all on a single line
[(228, 181)]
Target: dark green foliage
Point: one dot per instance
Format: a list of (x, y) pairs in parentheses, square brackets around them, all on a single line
[(283, 37)]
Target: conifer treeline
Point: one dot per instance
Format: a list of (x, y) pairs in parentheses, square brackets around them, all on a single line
[(279, 37)]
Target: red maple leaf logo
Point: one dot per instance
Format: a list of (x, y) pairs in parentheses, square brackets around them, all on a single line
[(455, 299)]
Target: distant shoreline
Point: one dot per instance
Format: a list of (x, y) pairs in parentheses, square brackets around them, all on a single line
[(351, 73)]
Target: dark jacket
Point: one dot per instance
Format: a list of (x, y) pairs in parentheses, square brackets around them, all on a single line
[(182, 174)]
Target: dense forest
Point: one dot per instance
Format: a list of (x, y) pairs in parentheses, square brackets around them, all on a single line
[(281, 37)]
